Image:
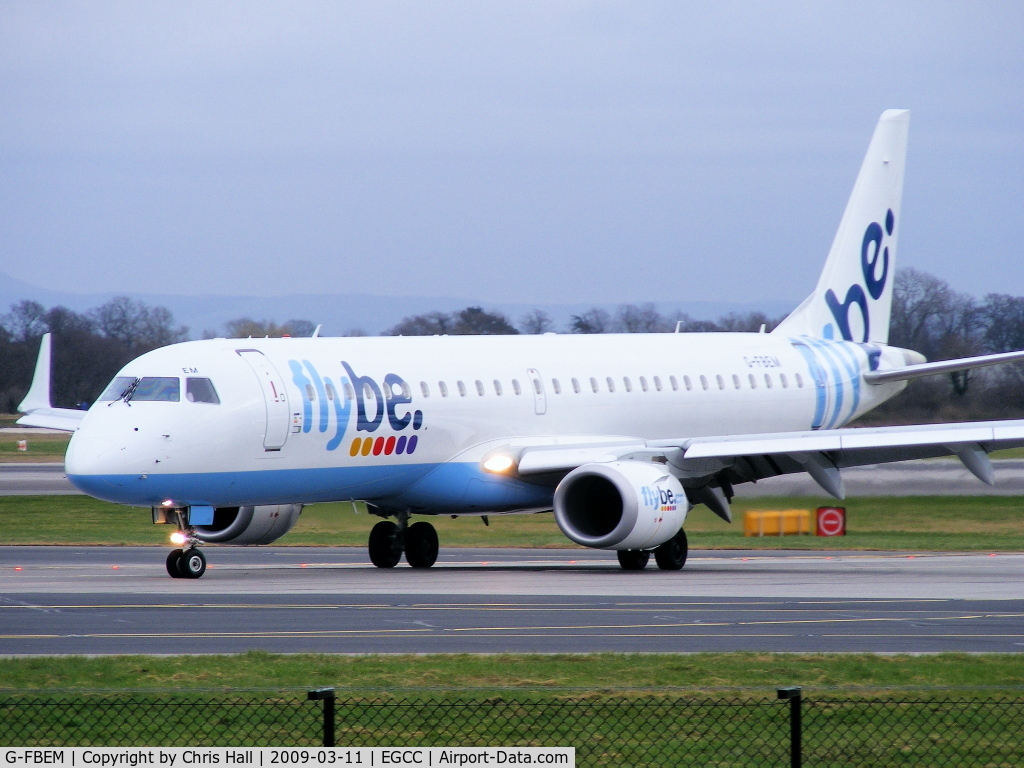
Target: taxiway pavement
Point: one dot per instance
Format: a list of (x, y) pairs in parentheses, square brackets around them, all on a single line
[(35, 479), (100, 600)]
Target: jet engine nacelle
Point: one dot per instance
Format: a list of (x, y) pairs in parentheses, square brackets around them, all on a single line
[(620, 505), (249, 525)]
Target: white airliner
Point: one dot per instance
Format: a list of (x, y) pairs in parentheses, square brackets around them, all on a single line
[(619, 435)]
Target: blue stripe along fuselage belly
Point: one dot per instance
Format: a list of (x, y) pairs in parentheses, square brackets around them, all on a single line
[(441, 488)]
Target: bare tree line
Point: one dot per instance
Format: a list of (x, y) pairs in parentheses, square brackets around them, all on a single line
[(628, 318), (88, 348), (928, 315)]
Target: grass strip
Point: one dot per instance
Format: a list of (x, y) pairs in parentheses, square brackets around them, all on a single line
[(940, 523), (41, 447), (554, 672)]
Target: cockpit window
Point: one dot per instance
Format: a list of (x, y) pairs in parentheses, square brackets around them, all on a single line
[(116, 388), (200, 391), (158, 388)]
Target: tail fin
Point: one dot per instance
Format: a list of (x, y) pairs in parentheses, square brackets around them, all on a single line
[(854, 294), (38, 396)]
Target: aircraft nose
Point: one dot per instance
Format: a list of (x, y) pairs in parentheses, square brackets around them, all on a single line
[(91, 454), (90, 459)]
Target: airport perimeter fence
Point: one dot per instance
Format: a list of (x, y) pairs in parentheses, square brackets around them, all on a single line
[(617, 729)]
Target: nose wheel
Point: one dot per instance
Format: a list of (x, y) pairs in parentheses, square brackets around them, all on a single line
[(186, 563)]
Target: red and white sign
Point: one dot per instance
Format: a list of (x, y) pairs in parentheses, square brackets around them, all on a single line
[(830, 521)]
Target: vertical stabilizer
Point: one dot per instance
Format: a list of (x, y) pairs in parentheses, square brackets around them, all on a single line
[(854, 294), (38, 396), (36, 405)]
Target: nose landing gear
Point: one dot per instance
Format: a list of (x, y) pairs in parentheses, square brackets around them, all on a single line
[(187, 562)]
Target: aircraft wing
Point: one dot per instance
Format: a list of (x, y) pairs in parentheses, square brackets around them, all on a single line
[(36, 405), (722, 461)]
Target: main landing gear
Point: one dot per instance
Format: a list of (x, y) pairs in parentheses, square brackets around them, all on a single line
[(389, 540), (670, 556)]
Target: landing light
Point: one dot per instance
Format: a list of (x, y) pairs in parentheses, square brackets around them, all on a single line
[(499, 463), (178, 538), (167, 503)]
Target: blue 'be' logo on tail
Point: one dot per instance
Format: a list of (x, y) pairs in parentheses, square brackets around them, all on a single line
[(874, 264)]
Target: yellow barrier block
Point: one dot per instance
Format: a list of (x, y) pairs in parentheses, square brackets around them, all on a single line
[(783, 522)]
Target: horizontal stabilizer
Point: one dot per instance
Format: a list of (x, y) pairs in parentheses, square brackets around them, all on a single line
[(941, 366), (64, 419)]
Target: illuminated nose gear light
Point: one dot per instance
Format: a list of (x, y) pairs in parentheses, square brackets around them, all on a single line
[(178, 538)]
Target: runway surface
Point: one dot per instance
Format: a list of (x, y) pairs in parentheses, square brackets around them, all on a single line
[(939, 477), (119, 600), (35, 480)]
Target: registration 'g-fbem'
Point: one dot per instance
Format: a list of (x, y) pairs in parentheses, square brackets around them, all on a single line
[(619, 435)]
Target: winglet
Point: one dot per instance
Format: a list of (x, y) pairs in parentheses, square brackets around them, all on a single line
[(38, 396)]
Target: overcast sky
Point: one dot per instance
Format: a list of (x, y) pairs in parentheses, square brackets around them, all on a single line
[(505, 152)]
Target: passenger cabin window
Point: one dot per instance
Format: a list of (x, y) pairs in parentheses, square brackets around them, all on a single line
[(675, 382), (462, 388), (557, 387), (643, 383), (593, 384), (629, 386), (799, 382), (536, 387), (657, 383), (497, 387), (116, 388), (202, 391), (479, 387), (576, 386), (753, 381), (367, 392), (310, 394), (610, 383), (516, 388), (424, 389), (736, 381), (158, 389), (704, 381), (687, 382), (720, 380), (782, 380), (350, 394), (768, 380), (442, 388), (328, 386)]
